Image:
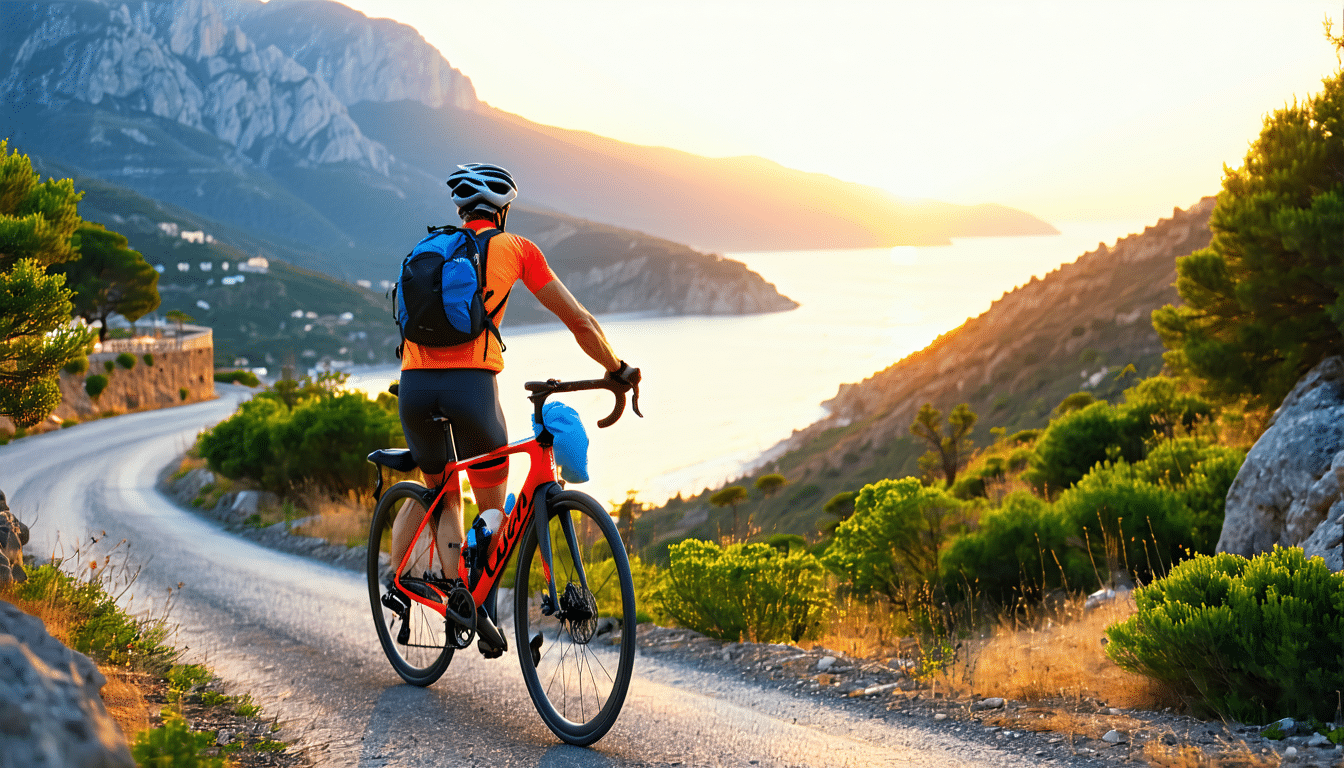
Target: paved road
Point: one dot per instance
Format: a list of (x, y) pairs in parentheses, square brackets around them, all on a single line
[(297, 635)]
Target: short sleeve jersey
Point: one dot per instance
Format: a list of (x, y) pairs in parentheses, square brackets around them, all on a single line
[(511, 258)]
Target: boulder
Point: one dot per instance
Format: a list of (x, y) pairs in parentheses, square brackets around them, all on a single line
[(1288, 491), (13, 535), (51, 713), (189, 486)]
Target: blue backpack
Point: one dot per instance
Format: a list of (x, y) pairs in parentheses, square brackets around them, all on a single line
[(439, 299)]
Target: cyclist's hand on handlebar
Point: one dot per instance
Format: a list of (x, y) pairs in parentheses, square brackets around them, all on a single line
[(626, 375)]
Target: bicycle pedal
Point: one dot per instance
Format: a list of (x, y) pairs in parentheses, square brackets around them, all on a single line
[(488, 651)]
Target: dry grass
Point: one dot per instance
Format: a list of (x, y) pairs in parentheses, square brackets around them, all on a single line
[(1059, 657), (343, 521), (863, 629), (1187, 756)]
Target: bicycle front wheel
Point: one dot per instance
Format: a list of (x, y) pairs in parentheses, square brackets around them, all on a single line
[(414, 636), (577, 661)]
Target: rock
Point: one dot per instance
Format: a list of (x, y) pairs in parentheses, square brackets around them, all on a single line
[(993, 702), (189, 486), (825, 663), (940, 716), (1288, 490), (1113, 737), (248, 503), (1318, 740), (1287, 726), (51, 713), (13, 535)]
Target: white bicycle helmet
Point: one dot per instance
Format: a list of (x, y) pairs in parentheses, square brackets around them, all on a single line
[(478, 186)]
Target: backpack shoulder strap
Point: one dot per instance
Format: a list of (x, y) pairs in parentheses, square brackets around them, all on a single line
[(483, 245)]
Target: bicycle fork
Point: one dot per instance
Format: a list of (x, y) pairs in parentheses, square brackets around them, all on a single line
[(567, 607)]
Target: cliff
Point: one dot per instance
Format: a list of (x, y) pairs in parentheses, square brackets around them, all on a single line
[(182, 62)]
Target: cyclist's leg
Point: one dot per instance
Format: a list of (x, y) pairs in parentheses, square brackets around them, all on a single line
[(469, 399)]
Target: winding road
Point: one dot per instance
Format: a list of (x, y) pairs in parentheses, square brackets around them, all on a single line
[(297, 635)]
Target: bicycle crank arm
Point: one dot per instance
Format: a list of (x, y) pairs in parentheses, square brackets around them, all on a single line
[(489, 632)]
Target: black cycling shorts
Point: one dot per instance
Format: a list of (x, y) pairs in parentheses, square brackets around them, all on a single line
[(468, 397)]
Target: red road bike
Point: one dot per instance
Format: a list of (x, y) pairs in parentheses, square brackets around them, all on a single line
[(572, 601)]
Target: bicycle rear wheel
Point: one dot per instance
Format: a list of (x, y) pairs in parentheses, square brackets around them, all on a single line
[(577, 662), (414, 636)]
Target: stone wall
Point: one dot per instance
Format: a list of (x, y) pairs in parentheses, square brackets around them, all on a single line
[(189, 366)]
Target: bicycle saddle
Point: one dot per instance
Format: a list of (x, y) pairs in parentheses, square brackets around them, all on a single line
[(397, 459)]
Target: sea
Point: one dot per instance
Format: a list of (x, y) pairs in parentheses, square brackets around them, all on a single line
[(720, 393)]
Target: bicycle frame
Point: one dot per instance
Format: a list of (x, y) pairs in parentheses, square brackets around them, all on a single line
[(541, 478)]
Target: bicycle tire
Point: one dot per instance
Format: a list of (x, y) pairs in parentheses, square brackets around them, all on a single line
[(426, 654), (579, 681)]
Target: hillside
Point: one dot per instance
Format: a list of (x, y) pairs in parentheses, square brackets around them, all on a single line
[(1077, 329)]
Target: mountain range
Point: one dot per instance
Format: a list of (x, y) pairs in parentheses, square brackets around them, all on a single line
[(309, 124)]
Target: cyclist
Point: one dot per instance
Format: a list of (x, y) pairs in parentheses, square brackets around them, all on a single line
[(459, 382)]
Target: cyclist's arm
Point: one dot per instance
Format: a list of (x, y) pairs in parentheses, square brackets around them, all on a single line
[(557, 298)]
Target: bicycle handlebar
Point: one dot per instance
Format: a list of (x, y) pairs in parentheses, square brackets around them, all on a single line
[(543, 389)]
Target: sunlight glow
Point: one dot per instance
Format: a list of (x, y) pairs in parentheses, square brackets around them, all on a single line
[(1070, 110)]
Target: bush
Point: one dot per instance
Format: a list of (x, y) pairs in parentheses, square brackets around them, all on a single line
[(77, 366), (95, 384), (1253, 640), (1019, 552), (746, 591), (148, 357), (182, 393), (109, 366), (324, 440), (246, 378), (126, 360), (1130, 524), (894, 536), (1078, 441)]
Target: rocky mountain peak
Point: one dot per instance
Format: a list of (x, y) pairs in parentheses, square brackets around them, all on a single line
[(184, 62), (362, 59)]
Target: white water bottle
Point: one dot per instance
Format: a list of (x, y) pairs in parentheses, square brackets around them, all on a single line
[(492, 517)]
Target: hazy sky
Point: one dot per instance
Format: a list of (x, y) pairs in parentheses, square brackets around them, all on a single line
[(1072, 110)]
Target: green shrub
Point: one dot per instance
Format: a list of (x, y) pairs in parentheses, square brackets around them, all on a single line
[(246, 378), (174, 744), (745, 592), (323, 440), (109, 366), (1254, 640), (1020, 551), (126, 360), (182, 393), (148, 357), (95, 385), (895, 536), (1131, 524), (1079, 440), (77, 366), (1159, 407)]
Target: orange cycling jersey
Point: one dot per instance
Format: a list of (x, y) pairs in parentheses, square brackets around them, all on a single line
[(511, 258)]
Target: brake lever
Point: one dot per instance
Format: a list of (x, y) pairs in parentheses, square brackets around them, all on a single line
[(634, 402)]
